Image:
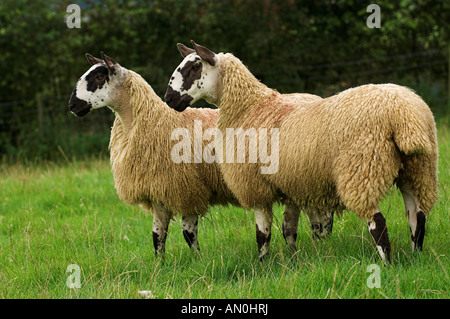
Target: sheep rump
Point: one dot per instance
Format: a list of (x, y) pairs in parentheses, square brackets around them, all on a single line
[(350, 148)]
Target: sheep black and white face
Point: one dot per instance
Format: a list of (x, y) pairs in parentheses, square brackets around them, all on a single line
[(95, 88), (197, 77)]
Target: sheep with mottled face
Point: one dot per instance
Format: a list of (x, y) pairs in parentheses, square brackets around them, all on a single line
[(141, 145), (342, 152), (190, 70)]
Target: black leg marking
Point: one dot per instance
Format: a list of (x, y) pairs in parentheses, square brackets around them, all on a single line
[(328, 224), (321, 222), (159, 242), (263, 219), (418, 236), (290, 225), (378, 230), (317, 230), (189, 237), (263, 241), (161, 220), (190, 231), (416, 217)]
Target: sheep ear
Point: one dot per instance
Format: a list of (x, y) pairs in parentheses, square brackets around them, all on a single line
[(110, 63), (205, 53), (184, 50), (93, 60)]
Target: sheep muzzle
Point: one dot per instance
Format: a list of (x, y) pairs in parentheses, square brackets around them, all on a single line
[(77, 106), (177, 101)]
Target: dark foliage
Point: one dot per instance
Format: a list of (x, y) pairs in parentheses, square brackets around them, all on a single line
[(312, 46)]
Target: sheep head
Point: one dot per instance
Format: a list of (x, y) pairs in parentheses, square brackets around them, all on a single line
[(95, 88), (197, 77)]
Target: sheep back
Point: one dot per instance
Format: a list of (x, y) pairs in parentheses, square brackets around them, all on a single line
[(347, 149)]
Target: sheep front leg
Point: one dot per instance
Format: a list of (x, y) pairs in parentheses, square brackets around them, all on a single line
[(161, 220), (378, 230), (190, 231), (290, 225), (263, 219)]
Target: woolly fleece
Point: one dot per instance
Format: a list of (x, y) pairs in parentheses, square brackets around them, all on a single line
[(342, 152), (141, 154)]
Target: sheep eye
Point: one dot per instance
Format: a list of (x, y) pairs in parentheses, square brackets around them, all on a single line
[(196, 66), (101, 77)]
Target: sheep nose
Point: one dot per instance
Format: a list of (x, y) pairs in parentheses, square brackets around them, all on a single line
[(168, 98), (172, 97)]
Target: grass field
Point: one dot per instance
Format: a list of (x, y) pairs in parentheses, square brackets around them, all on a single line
[(53, 216)]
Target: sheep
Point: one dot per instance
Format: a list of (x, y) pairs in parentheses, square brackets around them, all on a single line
[(340, 153), (141, 146), (321, 221), (140, 150)]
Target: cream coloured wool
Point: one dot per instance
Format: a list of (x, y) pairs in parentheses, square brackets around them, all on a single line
[(140, 157), (341, 153), (140, 149), (321, 221)]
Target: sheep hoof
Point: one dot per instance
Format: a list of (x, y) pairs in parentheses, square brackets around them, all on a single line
[(263, 258)]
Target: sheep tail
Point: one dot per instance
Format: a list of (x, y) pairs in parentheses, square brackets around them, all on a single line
[(415, 136), (414, 129)]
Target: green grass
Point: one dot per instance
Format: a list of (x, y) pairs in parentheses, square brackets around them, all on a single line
[(52, 216)]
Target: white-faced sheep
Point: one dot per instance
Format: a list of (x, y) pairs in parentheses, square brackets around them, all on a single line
[(343, 152)]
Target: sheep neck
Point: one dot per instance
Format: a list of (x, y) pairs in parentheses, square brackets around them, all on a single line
[(242, 91), (136, 101), (123, 110), (139, 112)]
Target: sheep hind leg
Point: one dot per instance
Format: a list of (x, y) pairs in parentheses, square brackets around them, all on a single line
[(263, 219), (290, 225), (321, 222), (416, 217), (378, 230), (161, 220), (190, 232)]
